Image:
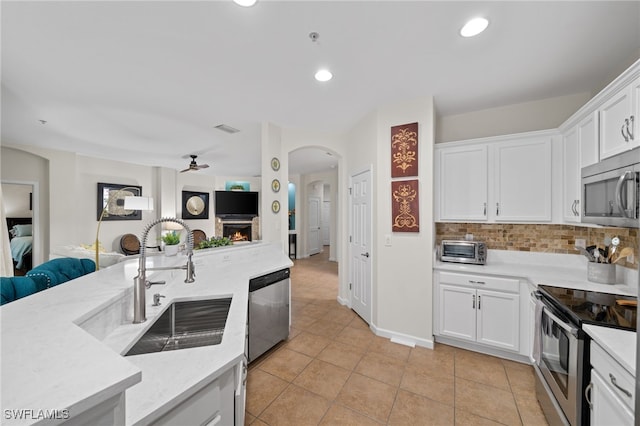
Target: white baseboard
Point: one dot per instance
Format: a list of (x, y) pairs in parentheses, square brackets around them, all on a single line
[(403, 339), (344, 302)]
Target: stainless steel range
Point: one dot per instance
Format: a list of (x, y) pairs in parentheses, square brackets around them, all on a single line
[(561, 347)]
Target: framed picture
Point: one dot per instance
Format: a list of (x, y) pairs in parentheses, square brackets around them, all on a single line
[(111, 201), (195, 205)]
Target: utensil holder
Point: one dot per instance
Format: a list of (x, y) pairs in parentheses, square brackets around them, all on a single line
[(604, 273)]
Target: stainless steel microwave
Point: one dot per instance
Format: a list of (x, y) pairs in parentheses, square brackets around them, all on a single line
[(611, 191), (474, 252)]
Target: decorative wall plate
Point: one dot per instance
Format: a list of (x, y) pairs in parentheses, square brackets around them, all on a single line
[(275, 206), (275, 185), (195, 205), (275, 164)]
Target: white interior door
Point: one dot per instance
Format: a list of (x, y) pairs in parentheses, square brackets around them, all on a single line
[(314, 225), (326, 222), (360, 244)]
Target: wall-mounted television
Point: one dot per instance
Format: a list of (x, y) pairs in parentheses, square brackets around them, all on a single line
[(241, 204)]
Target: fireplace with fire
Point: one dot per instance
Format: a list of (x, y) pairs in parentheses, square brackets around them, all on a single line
[(237, 231)]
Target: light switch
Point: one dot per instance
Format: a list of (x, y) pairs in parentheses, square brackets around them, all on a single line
[(387, 240)]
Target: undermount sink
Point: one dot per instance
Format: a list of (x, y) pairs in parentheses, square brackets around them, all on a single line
[(185, 325)]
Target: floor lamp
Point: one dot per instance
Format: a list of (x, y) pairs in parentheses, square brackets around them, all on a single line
[(130, 203)]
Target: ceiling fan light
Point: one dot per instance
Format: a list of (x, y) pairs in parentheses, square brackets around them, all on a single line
[(245, 3), (323, 75), (474, 27)]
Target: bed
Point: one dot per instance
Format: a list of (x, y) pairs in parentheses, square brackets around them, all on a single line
[(21, 241)]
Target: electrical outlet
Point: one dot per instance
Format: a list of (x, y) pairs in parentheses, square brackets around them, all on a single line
[(630, 258), (226, 258), (581, 243)]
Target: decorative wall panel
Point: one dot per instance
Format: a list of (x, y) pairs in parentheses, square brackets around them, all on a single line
[(404, 206), (404, 150)]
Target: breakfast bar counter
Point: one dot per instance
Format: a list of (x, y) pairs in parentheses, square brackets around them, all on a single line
[(62, 349)]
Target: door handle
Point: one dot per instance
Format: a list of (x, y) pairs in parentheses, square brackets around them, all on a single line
[(365, 254)]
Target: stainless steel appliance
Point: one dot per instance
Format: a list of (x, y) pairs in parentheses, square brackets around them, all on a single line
[(268, 312), (562, 347), (611, 191), (474, 252)]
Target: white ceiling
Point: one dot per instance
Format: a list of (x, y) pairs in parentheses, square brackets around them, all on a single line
[(147, 81)]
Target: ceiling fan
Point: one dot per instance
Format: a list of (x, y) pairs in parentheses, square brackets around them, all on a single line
[(193, 165)]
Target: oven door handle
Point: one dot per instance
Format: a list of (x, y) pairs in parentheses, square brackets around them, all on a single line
[(564, 324)]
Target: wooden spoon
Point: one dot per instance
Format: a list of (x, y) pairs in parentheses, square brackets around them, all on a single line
[(622, 254)]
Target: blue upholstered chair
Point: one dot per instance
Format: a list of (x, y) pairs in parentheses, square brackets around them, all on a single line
[(48, 274), (58, 271)]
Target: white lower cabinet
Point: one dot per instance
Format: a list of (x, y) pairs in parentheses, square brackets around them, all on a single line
[(479, 309), (212, 405), (606, 407), (611, 392)]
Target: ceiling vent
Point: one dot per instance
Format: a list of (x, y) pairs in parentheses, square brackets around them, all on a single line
[(227, 129)]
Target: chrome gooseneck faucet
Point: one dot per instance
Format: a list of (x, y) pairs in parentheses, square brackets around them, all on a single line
[(140, 283)]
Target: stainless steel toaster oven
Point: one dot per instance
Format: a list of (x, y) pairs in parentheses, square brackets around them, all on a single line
[(474, 252)]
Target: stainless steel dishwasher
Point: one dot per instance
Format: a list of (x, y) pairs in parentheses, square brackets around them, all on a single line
[(268, 311)]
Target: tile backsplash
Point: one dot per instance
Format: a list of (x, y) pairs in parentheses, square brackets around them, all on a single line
[(539, 238)]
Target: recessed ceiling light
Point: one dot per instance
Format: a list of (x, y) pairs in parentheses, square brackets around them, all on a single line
[(324, 75), (474, 27), (245, 3)]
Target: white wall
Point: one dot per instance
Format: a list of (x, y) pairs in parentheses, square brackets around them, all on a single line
[(90, 171), (405, 269), (509, 119), (15, 199), (274, 226), (402, 274)]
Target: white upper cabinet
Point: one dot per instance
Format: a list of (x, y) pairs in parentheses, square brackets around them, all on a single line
[(589, 140), (571, 176), (463, 183), (523, 180), (579, 149), (618, 116), (498, 179)]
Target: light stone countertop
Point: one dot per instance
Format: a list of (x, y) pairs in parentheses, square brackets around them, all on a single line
[(557, 270), (61, 347)]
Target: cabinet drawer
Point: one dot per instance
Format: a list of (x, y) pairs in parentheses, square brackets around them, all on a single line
[(619, 380), (479, 281)]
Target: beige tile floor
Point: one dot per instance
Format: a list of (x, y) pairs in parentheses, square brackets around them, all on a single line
[(334, 371)]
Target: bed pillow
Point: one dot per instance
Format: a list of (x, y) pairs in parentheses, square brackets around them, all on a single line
[(22, 230)]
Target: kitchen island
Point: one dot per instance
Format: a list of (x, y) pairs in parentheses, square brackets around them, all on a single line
[(62, 349)]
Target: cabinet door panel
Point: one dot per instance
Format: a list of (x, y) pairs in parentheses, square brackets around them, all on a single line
[(523, 181), (607, 409), (463, 183), (571, 176), (589, 140), (612, 118), (457, 312), (499, 319)]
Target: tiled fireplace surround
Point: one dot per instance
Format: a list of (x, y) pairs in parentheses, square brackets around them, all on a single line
[(538, 238)]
